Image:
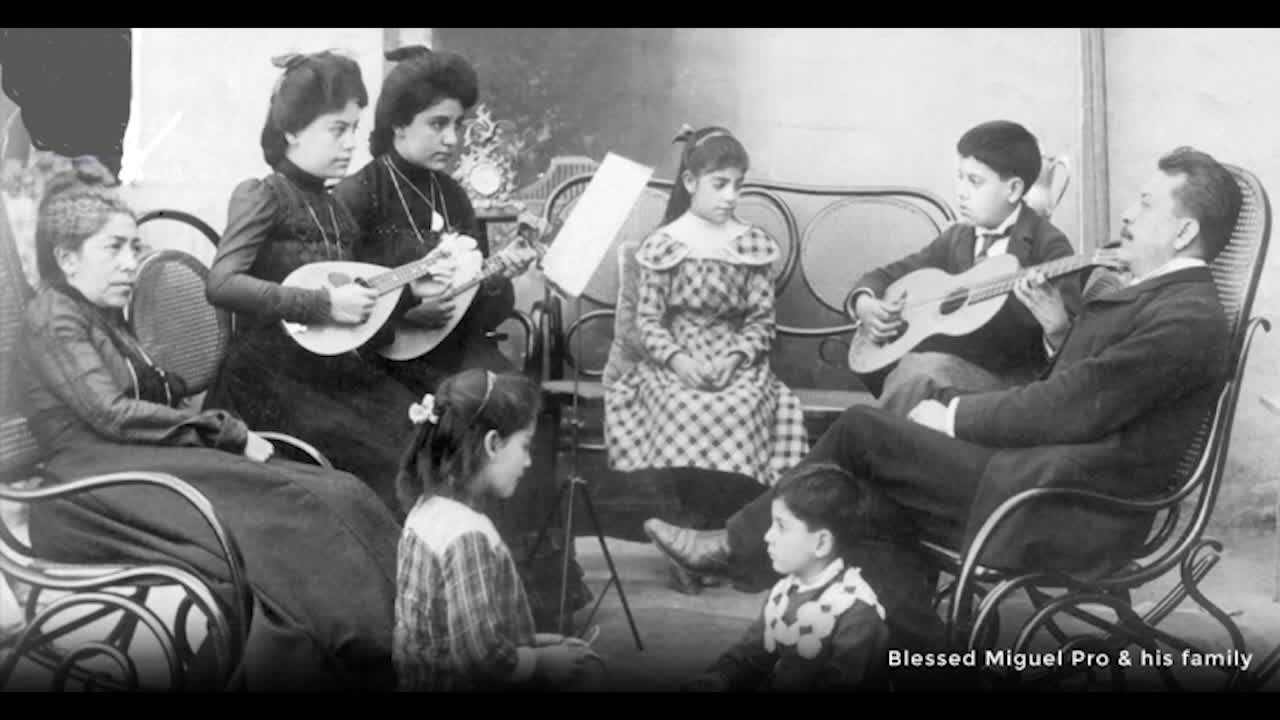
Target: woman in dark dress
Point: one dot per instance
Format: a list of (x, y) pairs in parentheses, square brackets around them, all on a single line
[(319, 548), (346, 405), (405, 199)]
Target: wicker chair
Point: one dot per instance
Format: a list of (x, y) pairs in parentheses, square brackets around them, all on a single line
[(181, 331), (81, 620), (1177, 544)]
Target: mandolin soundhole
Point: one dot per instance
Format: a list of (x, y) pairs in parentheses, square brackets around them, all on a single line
[(955, 300)]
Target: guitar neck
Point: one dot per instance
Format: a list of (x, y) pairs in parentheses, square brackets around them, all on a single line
[(1052, 269)]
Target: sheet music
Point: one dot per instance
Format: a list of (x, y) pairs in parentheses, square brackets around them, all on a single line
[(594, 222)]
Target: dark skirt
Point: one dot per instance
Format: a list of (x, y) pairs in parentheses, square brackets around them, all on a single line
[(349, 408), (319, 552)]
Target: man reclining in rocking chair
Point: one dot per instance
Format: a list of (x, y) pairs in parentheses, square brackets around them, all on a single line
[(1113, 414)]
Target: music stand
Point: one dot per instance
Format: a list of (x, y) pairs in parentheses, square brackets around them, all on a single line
[(571, 487), (579, 248)]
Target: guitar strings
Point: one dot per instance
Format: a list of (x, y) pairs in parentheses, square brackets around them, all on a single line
[(991, 285)]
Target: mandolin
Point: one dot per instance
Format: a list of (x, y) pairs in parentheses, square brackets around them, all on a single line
[(413, 341), (334, 339)]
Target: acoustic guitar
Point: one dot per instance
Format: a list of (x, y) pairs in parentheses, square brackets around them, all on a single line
[(936, 302), (413, 341)]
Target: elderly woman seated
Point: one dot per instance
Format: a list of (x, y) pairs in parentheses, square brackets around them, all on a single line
[(319, 547)]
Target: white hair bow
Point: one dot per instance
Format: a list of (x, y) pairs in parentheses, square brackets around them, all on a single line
[(424, 411)]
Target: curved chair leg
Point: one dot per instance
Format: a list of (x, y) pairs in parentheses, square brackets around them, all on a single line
[(1101, 649), (69, 665)]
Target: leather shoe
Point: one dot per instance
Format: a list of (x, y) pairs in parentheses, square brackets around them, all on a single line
[(698, 551), (681, 580)]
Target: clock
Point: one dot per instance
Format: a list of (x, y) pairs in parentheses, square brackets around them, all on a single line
[(485, 179)]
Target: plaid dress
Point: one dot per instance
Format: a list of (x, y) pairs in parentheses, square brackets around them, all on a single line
[(706, 299), (462, 617)]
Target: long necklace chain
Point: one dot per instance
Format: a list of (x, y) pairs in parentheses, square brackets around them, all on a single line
[(337, 237), (443, 210)]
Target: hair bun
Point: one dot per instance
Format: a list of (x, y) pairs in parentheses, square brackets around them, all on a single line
[(89, 170), (408, 52), (685, 134), (85, 171)]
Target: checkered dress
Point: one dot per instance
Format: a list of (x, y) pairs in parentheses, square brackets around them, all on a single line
[(706, 301), (461, 610)]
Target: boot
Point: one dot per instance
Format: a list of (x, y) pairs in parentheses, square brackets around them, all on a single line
[(681, 580), (700, 552)]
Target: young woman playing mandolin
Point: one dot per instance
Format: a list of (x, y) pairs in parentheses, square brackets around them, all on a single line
[(405, 203), (345, 404)]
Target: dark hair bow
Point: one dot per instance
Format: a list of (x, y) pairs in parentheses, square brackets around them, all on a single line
[(408, 52), (288, 61), (685, 134)]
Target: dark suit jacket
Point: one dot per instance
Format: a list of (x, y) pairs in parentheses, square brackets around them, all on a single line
[(1013, 338), (1136, 376)]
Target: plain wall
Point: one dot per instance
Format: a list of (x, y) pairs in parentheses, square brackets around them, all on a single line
[(1214, 89), (858, 106), (221, 80)]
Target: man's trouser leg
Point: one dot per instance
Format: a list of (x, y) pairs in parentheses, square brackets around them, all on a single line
[(930, 476)]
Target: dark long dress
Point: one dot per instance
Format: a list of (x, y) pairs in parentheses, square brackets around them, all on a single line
[(319, 548), (346, 405), (390, 238)]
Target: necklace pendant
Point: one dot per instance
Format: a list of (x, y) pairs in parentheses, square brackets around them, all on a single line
[(437, 222)]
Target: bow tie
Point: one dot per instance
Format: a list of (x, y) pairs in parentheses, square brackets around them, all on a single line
[(987, 238)]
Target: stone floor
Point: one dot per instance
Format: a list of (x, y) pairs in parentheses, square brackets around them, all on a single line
[(683, 634)]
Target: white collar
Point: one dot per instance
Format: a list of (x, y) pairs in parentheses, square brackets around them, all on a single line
[(1174, 265), (828, 574), (1002, 228)]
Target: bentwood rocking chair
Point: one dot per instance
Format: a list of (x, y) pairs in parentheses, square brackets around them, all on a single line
[(1177, 546), (80, 624)]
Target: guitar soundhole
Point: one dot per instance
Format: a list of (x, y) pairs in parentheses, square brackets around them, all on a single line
[(954, 301)]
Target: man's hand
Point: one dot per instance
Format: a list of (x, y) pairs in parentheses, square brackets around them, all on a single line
[(1044, 301), (882, 320), (931, 414)]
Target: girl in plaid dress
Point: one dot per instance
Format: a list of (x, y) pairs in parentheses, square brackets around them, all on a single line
[(462, 618), (705, 397)]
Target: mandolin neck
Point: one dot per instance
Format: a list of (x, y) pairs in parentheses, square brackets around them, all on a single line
[(392, 280)]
